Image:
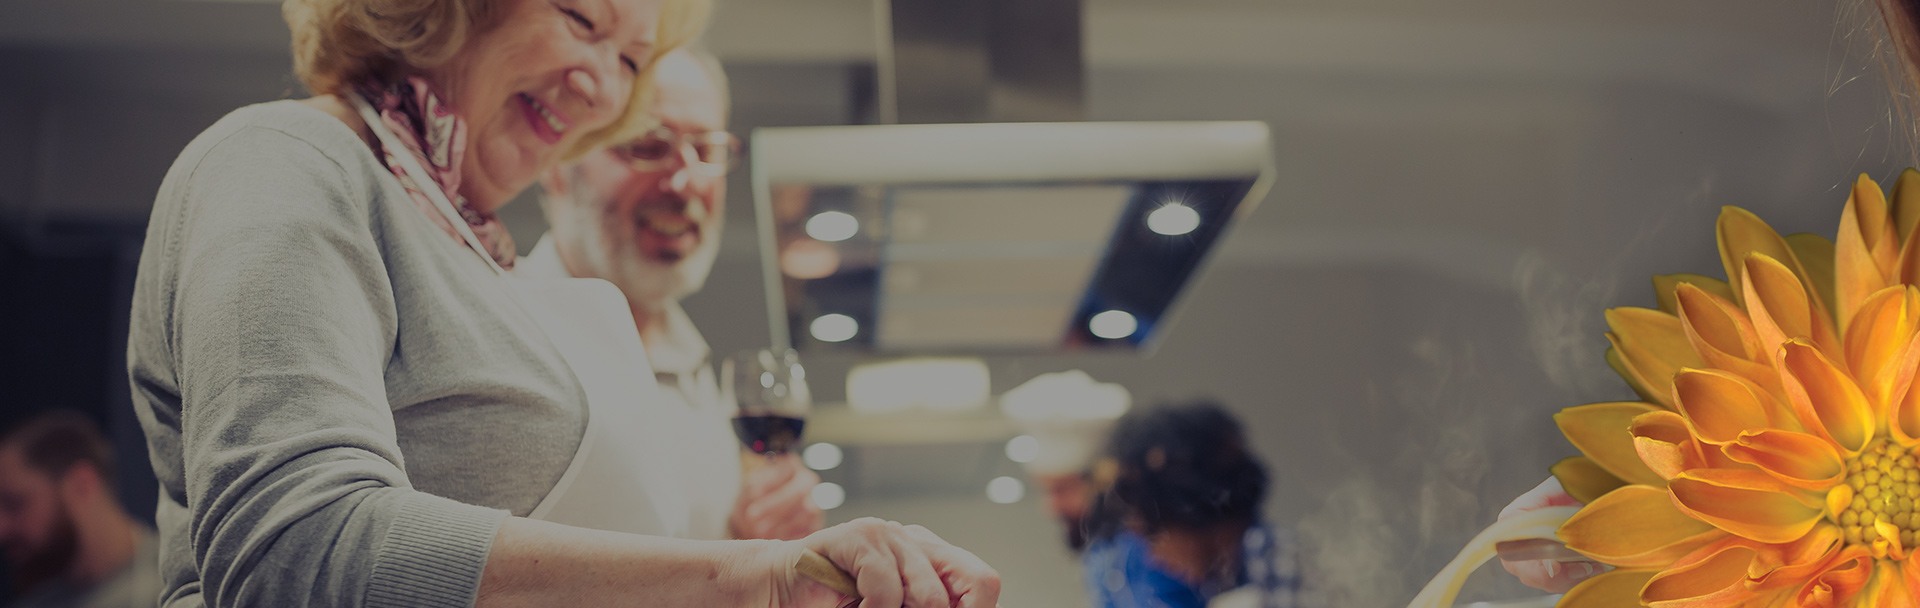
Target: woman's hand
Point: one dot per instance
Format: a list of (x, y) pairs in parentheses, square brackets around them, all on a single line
[(776, 502), (1547, 575), (893, 565)]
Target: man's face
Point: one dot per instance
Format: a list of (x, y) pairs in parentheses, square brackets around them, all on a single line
[(37, 536), (1068, 498), (654, 230)]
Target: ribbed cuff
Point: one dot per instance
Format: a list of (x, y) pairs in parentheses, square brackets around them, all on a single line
[(433, 554)]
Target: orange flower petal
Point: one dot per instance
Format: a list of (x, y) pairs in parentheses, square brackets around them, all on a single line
[(1653, 345), (1816, 260), (1749, 504), (1886, 542), (1636, 526), (1838, 583), (1801, 460), (1664, 284), (1826, 400), (1603, 431), (1634, 380), (1740, 233), (1910, 574), (1665, 444), (1790, 565), (1720, 332), (1714, 323), (1864, 249), (1887, 589), (1607, 590), (1721, 406), (1874, 218), (1781, 309), (1904, 421), (1584, 480), (1716, 581), (1906, 203), (1877, 343)]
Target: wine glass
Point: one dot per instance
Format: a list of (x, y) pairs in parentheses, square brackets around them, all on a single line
[(768, 390)]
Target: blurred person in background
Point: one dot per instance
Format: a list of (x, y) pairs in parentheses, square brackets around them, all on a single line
[(348, 398), (1177, 523), (1067, 416), (646, 214), (66, 538)]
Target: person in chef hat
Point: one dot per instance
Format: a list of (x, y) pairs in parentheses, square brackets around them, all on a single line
[(1068, 415)]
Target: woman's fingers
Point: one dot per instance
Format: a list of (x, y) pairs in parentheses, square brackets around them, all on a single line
[(1552, 576), (969, 581), (895, 565), (923, 586), (868, 556)]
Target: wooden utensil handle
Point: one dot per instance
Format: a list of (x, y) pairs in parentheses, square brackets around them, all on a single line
[(819, 569)]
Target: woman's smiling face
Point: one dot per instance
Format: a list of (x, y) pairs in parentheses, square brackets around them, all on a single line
[(546, 74)]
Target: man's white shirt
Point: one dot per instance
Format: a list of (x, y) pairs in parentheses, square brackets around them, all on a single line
[(707, 453)]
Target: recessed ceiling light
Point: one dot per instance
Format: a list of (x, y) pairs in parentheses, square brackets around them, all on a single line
[(1173, 219)]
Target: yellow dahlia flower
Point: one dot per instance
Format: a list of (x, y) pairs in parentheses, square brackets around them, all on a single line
[(1773, 459)]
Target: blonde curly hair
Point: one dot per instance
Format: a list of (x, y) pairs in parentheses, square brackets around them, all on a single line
[(337, 43)]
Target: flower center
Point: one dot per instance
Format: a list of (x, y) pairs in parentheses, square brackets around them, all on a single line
[(1886, 485)]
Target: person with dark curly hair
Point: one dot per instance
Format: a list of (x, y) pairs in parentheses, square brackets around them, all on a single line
[(1178, 522)]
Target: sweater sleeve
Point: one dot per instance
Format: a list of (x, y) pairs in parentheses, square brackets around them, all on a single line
[(282, 322)]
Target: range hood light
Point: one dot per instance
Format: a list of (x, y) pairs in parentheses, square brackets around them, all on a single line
[(835, 328), (822, 456), (1006, 490), (828, 496), (1173, 219), (1023, 449), (833, 226), (1113, 324)]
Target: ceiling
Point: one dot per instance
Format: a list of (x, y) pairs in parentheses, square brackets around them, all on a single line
[(1411, 72)]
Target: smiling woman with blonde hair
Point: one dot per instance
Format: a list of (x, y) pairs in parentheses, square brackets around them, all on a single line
[(350, 400)]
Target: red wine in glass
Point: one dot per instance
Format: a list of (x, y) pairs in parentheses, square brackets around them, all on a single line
[(768, 390), (768, 434)]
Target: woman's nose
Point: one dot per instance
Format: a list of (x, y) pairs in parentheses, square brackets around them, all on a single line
[(598, 84), (585, 85)]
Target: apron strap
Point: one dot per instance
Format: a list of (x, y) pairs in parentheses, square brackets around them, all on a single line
[(411, 165)]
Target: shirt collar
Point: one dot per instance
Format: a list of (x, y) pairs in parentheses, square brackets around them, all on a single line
[(678, 350)]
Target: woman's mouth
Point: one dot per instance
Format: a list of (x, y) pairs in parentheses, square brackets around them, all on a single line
[(548, 124)]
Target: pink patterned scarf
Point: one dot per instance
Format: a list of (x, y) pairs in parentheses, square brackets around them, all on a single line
[(437, 138)]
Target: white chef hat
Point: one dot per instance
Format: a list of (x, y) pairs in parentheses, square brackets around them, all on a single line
[(1069, 413)]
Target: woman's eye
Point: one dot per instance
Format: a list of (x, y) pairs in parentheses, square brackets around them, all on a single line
[(578, 18), (633, 67)]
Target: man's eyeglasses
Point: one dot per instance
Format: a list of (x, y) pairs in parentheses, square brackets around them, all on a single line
[(713, 151)]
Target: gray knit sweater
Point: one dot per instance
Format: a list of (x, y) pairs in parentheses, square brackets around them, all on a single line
[(341, 401)]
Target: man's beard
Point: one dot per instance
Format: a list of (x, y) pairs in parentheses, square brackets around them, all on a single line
[(1076, 533), (52, 560), (614, 255)]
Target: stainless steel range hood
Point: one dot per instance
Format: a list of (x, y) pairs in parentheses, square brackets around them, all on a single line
[(965, 61), (989, 232)]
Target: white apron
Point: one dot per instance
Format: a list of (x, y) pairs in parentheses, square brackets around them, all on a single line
[(619, 480)]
